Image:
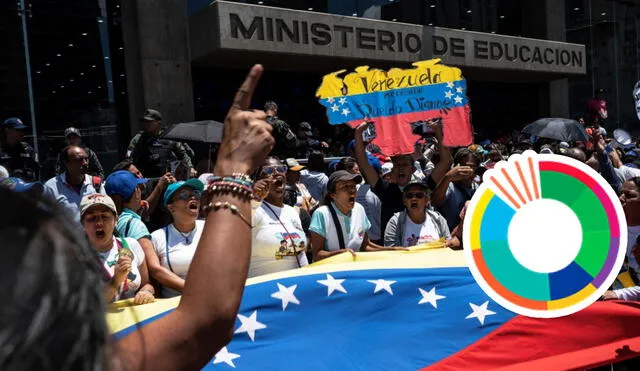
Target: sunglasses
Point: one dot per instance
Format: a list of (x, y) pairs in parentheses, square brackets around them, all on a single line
[(187, 195), (270, 170), (418, 195)]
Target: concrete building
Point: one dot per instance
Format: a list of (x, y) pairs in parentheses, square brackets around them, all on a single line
[(522, 59)]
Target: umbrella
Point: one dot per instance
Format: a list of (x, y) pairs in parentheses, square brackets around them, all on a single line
[(557, 128), (201, 131)]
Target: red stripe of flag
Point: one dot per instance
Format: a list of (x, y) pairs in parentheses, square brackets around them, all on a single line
[(603, 333)]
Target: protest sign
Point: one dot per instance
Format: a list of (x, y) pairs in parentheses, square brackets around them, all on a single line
[(398, 101)]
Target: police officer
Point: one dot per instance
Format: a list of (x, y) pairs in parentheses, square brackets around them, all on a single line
[(73, 138), (151, 154), (287, 144), (18, 157)]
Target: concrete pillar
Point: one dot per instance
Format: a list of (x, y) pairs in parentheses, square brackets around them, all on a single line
[(157, 58), (556, 30)]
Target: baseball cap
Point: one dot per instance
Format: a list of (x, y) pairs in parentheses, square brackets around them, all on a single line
[(122, 183), (306, 128), (386, 168), (341, 175), (416, 182), (546, 151), (20, 186), (94, 199), (294, 165), (204, 178), (14, 123), (564, 145), (151, 115), (172, 188), (71, 131)]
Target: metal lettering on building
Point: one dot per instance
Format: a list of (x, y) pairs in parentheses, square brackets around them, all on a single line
[(276, 30)]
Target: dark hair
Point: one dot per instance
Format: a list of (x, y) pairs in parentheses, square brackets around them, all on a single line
[(122, 165), (636, 181), (53, 312), (316, 161), (64, 154), (462, 153), (346, 163), (270, 105)]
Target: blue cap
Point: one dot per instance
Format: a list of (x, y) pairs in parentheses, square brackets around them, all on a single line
[(631, 155), (14, 123), (18, 185), (172, 188), (122, 183)]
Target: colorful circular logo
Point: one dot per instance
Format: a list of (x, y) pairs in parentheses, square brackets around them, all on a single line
[(545, 235)]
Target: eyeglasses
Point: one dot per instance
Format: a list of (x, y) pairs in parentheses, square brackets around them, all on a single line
[(187, 195), (270, 170), (418, 195)]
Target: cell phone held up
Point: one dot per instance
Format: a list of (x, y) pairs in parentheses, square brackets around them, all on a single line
[(369, 134), (423, 128)]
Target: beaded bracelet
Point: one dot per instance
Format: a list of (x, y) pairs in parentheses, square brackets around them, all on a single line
[(238, 180), (231, 187), (215, 206)]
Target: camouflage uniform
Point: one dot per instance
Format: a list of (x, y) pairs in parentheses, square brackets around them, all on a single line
[(152, 155), (287, 144)]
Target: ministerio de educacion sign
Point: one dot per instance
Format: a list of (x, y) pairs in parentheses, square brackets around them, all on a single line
[(277, 30)]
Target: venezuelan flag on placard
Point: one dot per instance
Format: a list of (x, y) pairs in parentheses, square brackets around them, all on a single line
[(400, 311), (395, 99)]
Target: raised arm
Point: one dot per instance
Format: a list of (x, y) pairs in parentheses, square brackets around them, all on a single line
[(369, 173), (445, 162), (188, 337)]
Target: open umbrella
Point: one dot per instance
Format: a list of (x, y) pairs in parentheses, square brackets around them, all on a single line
[(200, 131), (557, 128)]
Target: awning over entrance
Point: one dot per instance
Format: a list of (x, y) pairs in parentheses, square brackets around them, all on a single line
[(230, 34)]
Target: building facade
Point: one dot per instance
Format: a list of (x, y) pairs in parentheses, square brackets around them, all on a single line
[(96, 64)]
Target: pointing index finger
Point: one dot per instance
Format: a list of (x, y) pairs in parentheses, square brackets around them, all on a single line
[(242, 100)]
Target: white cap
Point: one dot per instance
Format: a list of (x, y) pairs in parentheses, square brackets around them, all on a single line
[(564, 145), (94, 199), (386, 168)]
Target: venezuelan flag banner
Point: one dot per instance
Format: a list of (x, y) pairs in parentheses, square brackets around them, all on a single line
[(406, 310), (396, 99)]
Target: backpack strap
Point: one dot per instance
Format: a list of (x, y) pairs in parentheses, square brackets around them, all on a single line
[(97, 183), (338, 226), (126, 228)]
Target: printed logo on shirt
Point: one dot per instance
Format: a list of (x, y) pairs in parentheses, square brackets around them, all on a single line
[(361, 233), (414, 240)]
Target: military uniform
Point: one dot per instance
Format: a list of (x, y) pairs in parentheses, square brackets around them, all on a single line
[(287, 144), (153, 155), (21, 161)]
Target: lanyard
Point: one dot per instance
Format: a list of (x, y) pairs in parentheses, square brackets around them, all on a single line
[(285, 229)]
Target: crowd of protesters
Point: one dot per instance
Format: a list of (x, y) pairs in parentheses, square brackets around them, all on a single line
[(362, 201), (145, 220)]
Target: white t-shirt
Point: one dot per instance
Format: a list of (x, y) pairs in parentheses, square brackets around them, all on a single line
[(628, 173), (268, 232), (182, 247), (416, 234), (354, 227), (110, 258)]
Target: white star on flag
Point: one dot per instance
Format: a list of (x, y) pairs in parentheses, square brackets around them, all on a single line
[(480, 311), (458, 99), (330, 100), (342, 100), (450, 85), (459, 89), (332, 285), (286, 295), (224, 356), (448, 94), (346, 112), (382, 285), (430, 297), (335, 108), (250, 325)]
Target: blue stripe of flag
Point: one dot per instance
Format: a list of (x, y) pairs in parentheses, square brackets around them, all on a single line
[(394, 102)]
